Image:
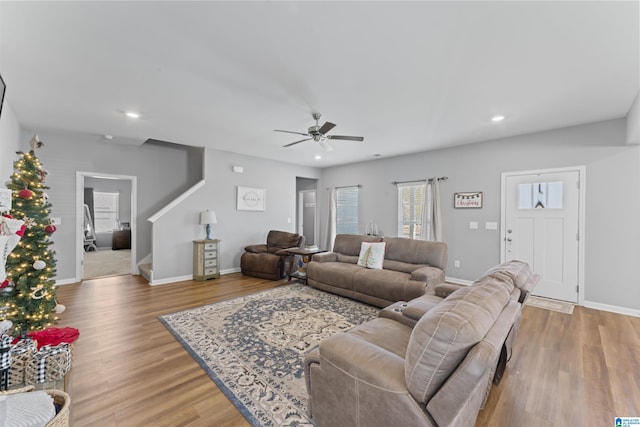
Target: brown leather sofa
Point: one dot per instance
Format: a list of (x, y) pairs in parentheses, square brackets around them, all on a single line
[(411, 268), (437, 372), (269, 261)]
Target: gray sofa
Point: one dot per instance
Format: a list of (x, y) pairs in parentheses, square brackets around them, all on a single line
[(436, 371), (411, 268)]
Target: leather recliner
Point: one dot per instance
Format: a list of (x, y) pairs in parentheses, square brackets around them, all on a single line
[(269, 261)]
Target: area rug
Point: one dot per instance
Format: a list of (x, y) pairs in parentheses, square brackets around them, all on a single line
[(550, 304), (253, 347)]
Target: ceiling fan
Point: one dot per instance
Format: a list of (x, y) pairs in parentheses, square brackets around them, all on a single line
[(319, 134)]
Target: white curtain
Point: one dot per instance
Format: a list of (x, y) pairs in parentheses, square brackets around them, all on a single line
[(331, 219), (432, 212)]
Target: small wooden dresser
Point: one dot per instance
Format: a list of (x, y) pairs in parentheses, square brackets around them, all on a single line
[(206, 264)]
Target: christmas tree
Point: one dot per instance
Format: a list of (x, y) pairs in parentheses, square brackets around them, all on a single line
[(28, 294)]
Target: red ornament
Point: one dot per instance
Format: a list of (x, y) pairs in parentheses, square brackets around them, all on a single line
[(26, 194), (50, 228), (4, 284)]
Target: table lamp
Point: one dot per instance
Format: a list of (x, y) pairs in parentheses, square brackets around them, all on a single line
[(208, 217)]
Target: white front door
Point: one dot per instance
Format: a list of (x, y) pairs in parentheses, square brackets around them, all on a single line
[(541, 226)]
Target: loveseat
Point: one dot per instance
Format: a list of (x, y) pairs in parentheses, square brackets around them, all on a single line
[(436, 372), (268, 260), (410, 268)]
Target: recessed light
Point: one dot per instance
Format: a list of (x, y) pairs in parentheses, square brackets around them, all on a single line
[(497, 118), (318, 157), (132, 115)]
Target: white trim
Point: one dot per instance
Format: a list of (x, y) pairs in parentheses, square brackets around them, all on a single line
[(612, 308), (80, 177), (189, 277), (65, 282), (458, 281), (582, 181), (175, 202)]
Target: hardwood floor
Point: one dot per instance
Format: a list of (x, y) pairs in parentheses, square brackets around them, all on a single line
[(128, 370)]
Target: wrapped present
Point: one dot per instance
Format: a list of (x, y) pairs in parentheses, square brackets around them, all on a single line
[(50, 363), (5, 360), (21, 355)]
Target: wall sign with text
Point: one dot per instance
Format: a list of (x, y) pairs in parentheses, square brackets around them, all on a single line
[(467, 200)]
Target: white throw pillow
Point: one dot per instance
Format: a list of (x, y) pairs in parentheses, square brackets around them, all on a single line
[(372, 255)]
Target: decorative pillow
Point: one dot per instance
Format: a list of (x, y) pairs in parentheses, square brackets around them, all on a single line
[(372, 255)]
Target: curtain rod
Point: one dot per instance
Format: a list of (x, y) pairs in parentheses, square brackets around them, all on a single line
[(346, 186), (442, 178)]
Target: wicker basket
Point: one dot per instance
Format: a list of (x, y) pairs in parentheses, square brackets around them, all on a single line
[(59, 398)]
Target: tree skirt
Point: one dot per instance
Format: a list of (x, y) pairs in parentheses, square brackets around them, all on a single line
[(253, 347)]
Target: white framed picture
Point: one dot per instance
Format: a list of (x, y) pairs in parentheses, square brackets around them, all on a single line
[(251, 199)]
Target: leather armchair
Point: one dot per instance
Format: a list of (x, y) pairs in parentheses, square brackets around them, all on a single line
[(269, 261)]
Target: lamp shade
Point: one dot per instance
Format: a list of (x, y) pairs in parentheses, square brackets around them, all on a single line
[(208, 217)]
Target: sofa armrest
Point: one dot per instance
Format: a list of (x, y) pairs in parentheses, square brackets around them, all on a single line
[(256, 248), (284, 252), (431, 276), (364, 361), (325, 257), (443, 290)]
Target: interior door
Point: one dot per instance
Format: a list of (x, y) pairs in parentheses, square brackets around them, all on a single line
[(541, 227), (307, 225)]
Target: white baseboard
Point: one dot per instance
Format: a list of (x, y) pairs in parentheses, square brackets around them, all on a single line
[(612, 308), (189, 277), (458, 281), (171, 280), (66, 281)]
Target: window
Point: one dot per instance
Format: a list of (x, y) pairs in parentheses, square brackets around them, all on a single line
[(105, 208), (347, 210), (540, 195), (410, 209)]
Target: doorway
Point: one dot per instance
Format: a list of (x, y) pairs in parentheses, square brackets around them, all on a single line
[(307, 224), (543, 225), (106, 206)]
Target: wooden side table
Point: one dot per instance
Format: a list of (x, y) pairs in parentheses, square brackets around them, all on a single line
[(300, 272), (206, 262)]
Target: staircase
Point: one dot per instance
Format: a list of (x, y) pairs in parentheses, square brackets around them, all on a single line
[(146, 272)]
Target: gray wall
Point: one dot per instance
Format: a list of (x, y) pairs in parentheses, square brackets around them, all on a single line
[(162, 172), (612, 199), (174, 232), (9, 142)]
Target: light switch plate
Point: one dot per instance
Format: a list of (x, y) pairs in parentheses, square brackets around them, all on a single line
[(490, 225), (473, 225)]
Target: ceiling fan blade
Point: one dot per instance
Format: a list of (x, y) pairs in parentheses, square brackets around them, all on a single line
[(325, 145), (297, 142), (326, 127), (346, 138), (289, 131)]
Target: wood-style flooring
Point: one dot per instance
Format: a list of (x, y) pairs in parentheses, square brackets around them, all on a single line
[(128, 370)]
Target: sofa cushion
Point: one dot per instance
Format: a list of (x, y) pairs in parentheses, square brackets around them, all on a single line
[(371, 255), (518, 272), (387, 285), (444, 335), (277, 240), (417, 251), (339, 274), (349, 244)]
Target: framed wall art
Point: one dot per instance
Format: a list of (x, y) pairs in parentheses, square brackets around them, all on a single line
[(467, 200), (251, 199)]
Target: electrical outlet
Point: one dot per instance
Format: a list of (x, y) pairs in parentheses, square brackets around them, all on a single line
[(456, 263)]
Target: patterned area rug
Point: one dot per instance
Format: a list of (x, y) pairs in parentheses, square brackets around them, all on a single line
[(253, 347), (550, 304)]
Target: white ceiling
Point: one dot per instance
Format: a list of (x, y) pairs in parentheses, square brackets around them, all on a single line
[(408, 76)]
